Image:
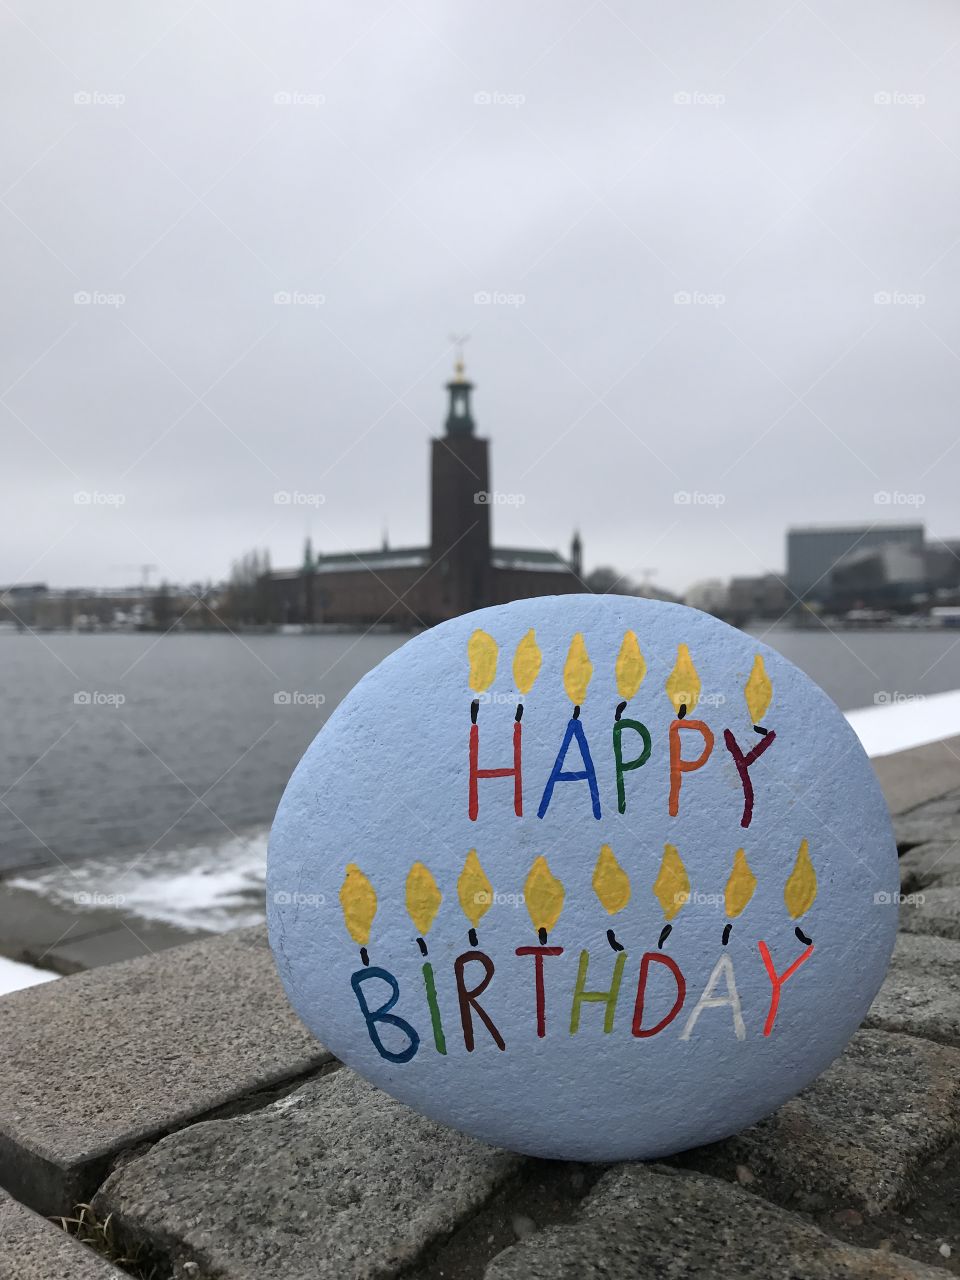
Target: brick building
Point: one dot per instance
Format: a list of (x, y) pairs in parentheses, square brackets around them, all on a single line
[(458, 571)]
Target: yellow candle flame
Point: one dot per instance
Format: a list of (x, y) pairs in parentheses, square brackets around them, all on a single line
[(482, 652), (474, 889), (358, 898), (683, 683), (423, 897), (611, 883), (630, 668), (758, 691), (740, 886), (526, 662), (543, 894), (577, 670), (801, 888), (672, 885)]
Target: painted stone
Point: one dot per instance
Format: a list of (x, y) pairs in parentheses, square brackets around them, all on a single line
[(587, 877)]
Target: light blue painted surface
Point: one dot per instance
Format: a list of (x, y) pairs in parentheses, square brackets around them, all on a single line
[(385, 784)]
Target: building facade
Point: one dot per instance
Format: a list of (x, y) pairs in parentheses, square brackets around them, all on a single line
[(815, 555), (460, 570)]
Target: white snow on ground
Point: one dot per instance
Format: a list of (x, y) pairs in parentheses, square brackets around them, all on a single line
[(912, 722), (216, 886), (15, 976), (219, 885)]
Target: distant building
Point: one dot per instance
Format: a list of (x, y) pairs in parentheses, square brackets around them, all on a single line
[(765, 596), (710, 595), (458, 571), (814, 555)]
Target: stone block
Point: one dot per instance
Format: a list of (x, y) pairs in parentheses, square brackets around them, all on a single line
[(858, 1135), (650, 1221), (937, 862), (921, 993), (918, 828), (100, 1061), (31, 1248), (334, 1180), (933, 910)]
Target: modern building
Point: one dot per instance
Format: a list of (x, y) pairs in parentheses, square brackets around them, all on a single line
[(815, 554), (459, 570)]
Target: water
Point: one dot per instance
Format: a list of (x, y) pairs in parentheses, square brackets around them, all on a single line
[(199, 747), (198, 753)]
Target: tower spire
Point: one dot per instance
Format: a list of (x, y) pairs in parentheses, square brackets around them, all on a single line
[(459, 417)]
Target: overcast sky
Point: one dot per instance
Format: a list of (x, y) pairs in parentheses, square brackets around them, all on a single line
[(181, 163)]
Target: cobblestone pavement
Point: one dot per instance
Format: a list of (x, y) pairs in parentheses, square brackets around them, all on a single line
[(222, 1155)]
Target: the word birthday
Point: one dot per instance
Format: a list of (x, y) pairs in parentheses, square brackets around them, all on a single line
[(657, 1000), (690, 741)]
